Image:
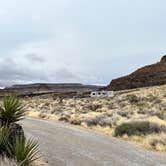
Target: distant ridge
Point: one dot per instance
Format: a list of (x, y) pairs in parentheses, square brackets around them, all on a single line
[(53, 87), (151, 75)]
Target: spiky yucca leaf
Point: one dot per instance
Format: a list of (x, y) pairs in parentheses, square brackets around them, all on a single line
[(11, 111), (4, 135), (25, 151)]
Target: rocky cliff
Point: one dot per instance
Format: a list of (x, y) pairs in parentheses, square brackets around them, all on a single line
[(151, 75)]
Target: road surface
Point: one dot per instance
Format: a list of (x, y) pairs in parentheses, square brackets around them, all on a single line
[(66, 145)]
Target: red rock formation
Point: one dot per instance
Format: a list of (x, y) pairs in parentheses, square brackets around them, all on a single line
[(147, 76)]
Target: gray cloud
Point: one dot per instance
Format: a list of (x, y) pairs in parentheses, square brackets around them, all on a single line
[(78, 40), (35, 58), (12, 72)]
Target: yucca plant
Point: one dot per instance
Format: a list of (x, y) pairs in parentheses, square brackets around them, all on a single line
[(25, 151), (4, 136), (11, 111)]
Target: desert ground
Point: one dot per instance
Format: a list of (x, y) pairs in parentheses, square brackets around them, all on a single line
[(137, 115)]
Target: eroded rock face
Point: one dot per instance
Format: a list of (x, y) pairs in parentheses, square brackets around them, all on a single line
[(151, 75)]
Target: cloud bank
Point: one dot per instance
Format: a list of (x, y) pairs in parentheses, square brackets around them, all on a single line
[(90, 42)]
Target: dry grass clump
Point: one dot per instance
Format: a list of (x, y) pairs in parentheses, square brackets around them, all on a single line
[(75, 120), (156, 142)]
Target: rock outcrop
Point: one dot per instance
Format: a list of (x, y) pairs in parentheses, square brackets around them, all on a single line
[(151, 75)]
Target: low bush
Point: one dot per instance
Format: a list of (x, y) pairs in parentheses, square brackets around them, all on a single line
[(95, 107), (133, 99), (101, 120), (75, 121), (90, 121), (161, 114), (139, 128)]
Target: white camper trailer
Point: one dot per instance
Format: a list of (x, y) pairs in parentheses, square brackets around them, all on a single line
[(102, 94)]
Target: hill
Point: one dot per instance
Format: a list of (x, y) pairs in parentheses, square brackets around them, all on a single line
[(151, 75), (67, 89)]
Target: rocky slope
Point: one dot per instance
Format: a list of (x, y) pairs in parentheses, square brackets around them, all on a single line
[(151, 75)]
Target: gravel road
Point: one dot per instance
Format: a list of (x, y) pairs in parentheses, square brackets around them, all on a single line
[(65, 145)]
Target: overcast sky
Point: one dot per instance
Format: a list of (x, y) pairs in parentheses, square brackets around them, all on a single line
[(87, 41)]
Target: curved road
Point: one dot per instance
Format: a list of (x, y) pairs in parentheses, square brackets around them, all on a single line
[(65, 145)]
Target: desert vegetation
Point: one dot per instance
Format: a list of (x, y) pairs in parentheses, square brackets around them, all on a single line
[(15, 149), (138, 115)]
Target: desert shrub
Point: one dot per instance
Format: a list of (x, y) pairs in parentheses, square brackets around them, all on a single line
[(75, 120), (105, 122), (143, 104), (150, 112), (42, 115), (11, 111), (163, 104), (47, 104), (157, 101), (64, 118), (161, 114), (133, 99), (90, 121), (101, 120), (149, 98), (94, 107), (157, 128), (123, 113), (139, 128), (142, 111)]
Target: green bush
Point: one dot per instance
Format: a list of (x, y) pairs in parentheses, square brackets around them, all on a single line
[(134, 128), (11, 111)]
